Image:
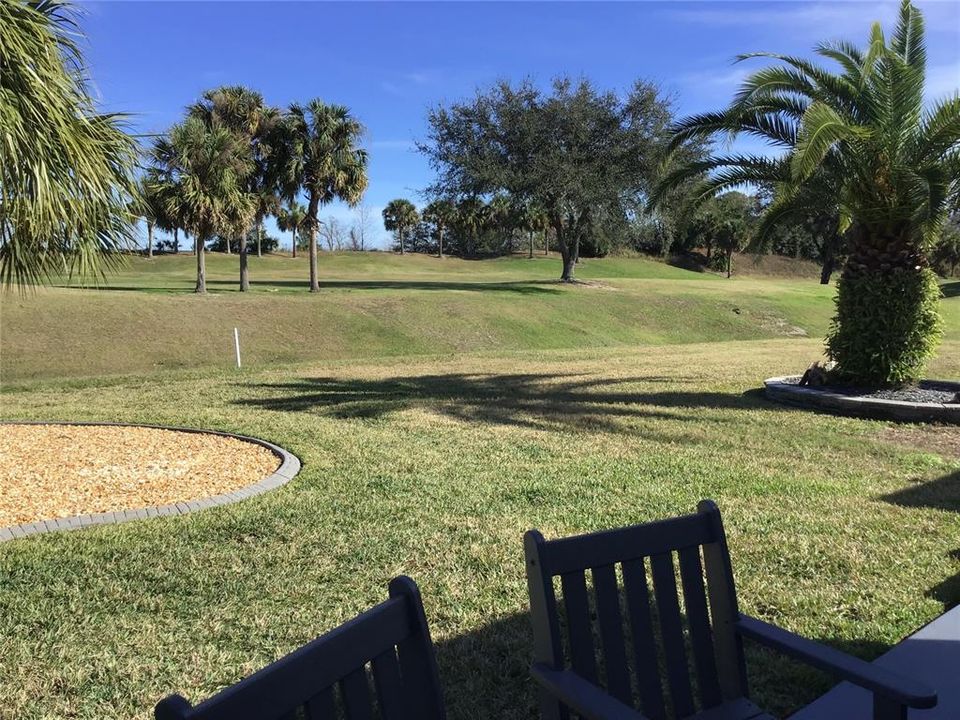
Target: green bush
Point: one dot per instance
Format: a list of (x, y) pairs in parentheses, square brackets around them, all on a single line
[(886, 327)]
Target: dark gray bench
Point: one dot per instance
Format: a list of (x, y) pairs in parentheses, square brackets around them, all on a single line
[(689, 633), (932, 653), (379, 665)]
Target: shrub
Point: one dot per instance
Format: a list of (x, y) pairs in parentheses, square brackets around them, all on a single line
[(886, 327)]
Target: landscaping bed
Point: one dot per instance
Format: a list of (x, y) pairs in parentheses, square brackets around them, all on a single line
[(60, 471), (926, 401)]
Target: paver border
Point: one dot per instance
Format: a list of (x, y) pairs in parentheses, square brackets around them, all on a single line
[(782, 390), (289, 468)]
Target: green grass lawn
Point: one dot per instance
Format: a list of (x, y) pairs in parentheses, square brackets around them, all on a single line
[(436, 425)]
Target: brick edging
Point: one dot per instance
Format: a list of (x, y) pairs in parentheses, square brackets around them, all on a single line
[(781, 390), (289, 467)]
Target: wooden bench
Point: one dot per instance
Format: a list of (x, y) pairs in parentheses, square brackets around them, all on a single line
[(328, 678), (622, 679)]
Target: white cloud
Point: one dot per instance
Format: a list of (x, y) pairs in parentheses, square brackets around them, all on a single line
[(838, 17)]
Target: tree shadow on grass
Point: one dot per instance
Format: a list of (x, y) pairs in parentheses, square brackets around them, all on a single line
[(540, 401), (528, 287), (485, 672), (941, 494)]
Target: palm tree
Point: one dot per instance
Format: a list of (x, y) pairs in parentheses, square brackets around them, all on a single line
[(860, 141), (321, 157), (440, 213), (399, 216), (242, 112), (290, 219), (149, 206), (66, 171), (208, 166), (470, 217)]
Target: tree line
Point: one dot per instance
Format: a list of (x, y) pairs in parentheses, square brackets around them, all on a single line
[(234, 160)]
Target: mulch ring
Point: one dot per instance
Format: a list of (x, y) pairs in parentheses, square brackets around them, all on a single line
[(59, 471)]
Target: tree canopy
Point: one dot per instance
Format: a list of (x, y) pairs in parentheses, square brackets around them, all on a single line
[(66, 171), (573, 150)]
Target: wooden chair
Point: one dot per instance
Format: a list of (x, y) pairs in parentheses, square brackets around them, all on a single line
[(713, 629), (328, 677)]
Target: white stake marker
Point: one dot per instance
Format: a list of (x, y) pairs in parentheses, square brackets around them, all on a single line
[(236, 344)]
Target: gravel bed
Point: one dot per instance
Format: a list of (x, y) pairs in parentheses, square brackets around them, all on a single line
[(926, 391)]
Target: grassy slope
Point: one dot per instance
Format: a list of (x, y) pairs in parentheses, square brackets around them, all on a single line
[(432, 462), (435, 468), (382, 305)]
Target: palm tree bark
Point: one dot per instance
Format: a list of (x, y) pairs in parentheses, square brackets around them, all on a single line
[(259, 237), (312, 234), (201, 267), (829, 265), (149, 240), (440, 228), (401, 240), (294, 245), (244, 271), (531, 243)]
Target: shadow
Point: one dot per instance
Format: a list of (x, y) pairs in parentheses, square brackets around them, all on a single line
[(540, 401), (948, 591), (485, 673), (940, 494), (526, 287), (950, 289)]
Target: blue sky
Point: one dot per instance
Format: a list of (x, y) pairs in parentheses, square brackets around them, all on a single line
[(389, 62)]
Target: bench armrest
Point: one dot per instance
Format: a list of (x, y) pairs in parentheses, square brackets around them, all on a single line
[(882, 682), (583, 697)]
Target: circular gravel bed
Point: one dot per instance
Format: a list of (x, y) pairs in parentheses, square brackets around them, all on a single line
[(50, 473), (928, 400)]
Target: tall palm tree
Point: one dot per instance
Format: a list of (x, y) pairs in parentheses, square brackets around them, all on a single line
[(471, 212), (861, 141), (66, 171), (290, 218), (440, 213), (243, 112), (321, 157), (399, 216), (208, 166), (149, 206)]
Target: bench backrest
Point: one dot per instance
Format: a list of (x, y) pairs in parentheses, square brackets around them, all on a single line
[(663, 642), (382, 662)]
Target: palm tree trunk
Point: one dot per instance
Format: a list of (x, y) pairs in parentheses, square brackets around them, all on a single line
[(149, 240), (440, 228), (259, 238), (201, 266), (401, 240), (729, 262), (293, 246), (546, 242), (227, 243), (531, 244), (244, 271), (312, 232), (176, 241)]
